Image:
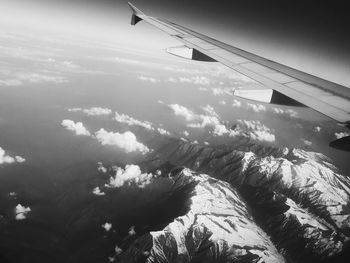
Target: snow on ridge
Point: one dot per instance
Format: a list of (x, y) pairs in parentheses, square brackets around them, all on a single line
[(216, 207), (309, 176)]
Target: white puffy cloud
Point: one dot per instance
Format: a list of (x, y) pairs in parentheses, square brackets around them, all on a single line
[(252, 129), (180, 110), (101, 168), (97, 191), (13, 194), (93, 111), (118, 250), (19, 159), (210, 110), (222, 102), (148, 79), (107, 226), (131, 175), (317, 129), (21, 212), (163, 131), (123, 118), (256, 130), (236, 103), (256, 107), (278, 110), (203, 89), (306, 142), (289, 112), (197, 80), (339, 135), (7, 159), (126, 141), (186, 133), (77, 127), (132, 231), (210, 119), (221, 91)]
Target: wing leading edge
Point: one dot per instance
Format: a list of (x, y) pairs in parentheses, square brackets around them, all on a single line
[(328, 98)]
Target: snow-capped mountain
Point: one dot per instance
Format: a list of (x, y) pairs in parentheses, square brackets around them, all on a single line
[(218, 228), (254, 200)]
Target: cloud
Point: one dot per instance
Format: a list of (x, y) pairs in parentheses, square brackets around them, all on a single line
[(11, 82), (203, 89), (13, 194), (317, 129), (78, 127), (210, 119), (40, 78), (291, 113), (132, 231), (21, 212), (131, 175), (123, 118), (126, 141), (186, 133), (7, 159), (97, 191), (197, 80), (118, 250), (69, 65), (306, 142), (236, 103), (256, 130), (340, 135), (93, 111), (107, 226), (182, 111), (210, 110), (148, 79), (256, 107), (222, 102), (252, 129), (19, 159), (163, 131), (101, 168), (221, 91)]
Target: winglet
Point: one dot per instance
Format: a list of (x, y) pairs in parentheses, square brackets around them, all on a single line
[(136, 14)]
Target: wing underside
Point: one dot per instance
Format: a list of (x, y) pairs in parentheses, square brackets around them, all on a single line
[(331, 99)]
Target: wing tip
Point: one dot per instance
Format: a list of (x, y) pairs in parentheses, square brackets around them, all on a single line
[(136, 13)]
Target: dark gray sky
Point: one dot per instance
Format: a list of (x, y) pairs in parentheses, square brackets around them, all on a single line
[(310, 35)]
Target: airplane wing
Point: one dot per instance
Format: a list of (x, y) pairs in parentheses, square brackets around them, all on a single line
[(331, 99)]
